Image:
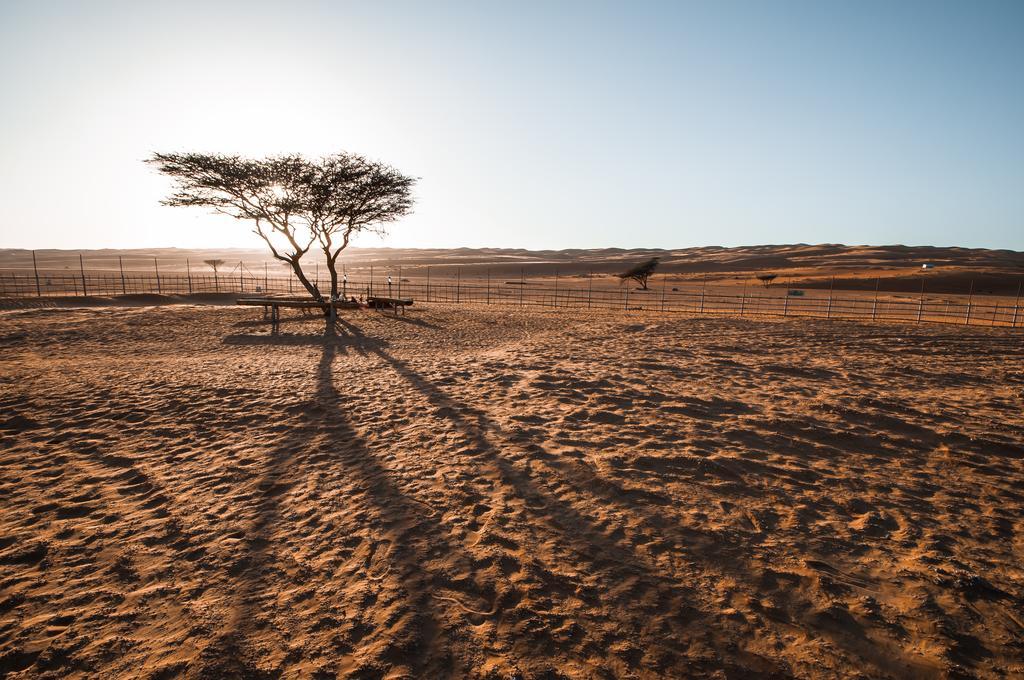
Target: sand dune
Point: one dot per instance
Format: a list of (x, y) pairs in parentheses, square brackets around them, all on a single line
[(497, 494)]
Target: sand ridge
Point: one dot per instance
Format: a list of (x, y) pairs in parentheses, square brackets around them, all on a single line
[(480, 493)]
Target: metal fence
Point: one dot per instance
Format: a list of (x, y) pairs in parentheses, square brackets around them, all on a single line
[(974, 310)]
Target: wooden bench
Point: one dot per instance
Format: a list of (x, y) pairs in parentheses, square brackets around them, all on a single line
[(379, 302), (274, 304)]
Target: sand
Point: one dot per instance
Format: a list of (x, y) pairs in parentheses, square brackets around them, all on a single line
[(494, 494)]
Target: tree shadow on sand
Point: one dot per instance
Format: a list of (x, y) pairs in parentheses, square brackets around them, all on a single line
[(409, 593), (643, 620), (661, 614), (416, 567), (564, 588), (380, 566)]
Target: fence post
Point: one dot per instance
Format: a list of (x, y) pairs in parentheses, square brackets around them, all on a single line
[(590, 287), (522, 284), (81, 266), (664, 284), (743, 300), (785, 304), (241, 281), (828, 310), (156, 268), (399, 286), (555, 299), (970, 299), (703, 287), (995, 312), (488, 286), (428, 284), (35, 269), (1016, 304), (188, 272), (120, 265), (458, 285), (625, 304), (874, 305), (371, 278), (266, 280), (920, 303)]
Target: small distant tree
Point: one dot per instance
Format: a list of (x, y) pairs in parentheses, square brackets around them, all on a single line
[(294, 203), (214, 264), (766, 279), (640, 272)]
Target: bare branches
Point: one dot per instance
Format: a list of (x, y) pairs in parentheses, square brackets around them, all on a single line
[(350, 194), (265, 191)]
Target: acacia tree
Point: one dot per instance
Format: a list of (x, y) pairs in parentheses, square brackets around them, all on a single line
[(640, 272), (766, 279), (295, 203)]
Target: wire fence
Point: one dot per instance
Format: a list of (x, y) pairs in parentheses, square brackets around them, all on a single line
[(781, 302)]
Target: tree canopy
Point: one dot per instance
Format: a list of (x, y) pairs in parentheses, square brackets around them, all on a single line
[(294, 203)]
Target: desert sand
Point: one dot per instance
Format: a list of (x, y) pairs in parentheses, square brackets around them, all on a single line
[(488, 493)]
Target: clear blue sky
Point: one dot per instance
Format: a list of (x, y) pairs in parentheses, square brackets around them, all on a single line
[(541, 125)]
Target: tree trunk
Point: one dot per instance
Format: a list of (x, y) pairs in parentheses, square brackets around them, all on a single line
[(306, 283), (332, 267)]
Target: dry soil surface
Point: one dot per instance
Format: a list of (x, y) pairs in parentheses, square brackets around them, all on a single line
[(477, 493)]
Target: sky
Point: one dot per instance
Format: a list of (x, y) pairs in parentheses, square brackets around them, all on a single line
[(536, 125)]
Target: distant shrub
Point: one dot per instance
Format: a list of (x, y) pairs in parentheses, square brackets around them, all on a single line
[(641, 272)]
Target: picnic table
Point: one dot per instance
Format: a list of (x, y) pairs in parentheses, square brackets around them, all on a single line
[(380, 302), (273, 305)]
